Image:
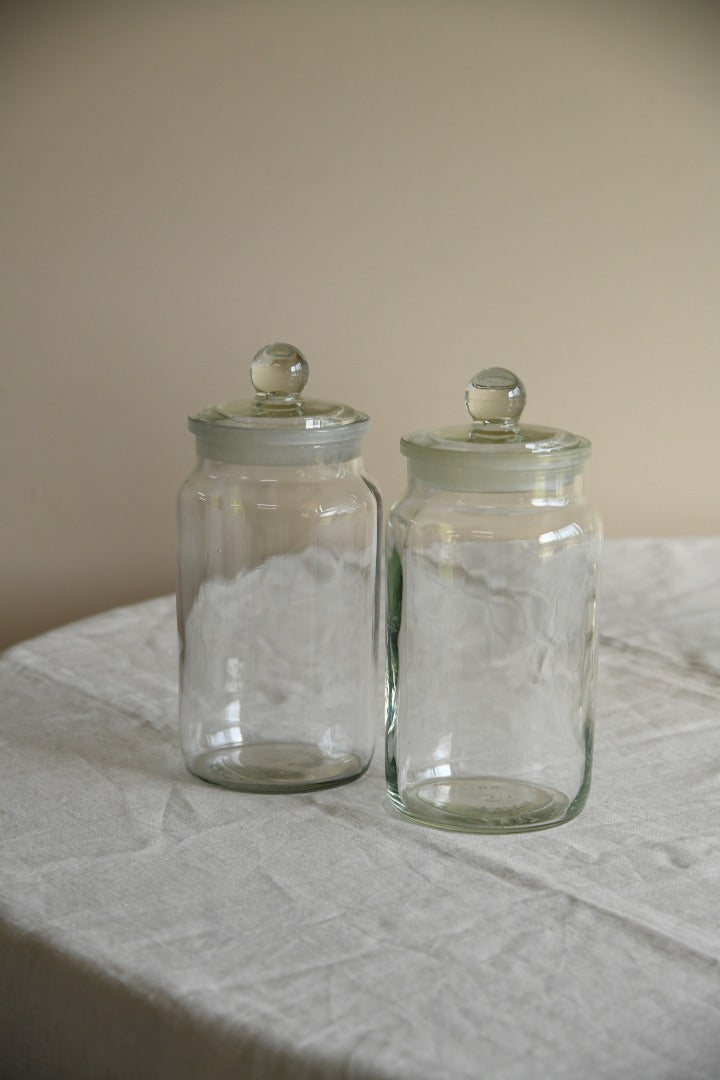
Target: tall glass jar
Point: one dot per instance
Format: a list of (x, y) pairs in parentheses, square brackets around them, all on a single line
[(277, 594), (492, 580)]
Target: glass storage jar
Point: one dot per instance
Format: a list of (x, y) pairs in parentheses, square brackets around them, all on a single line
[(277, 594), (492, 578)]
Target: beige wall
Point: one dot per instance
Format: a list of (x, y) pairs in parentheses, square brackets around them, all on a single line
[(408, 190)]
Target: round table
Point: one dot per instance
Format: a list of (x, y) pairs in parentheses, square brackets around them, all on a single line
[(154, 926)]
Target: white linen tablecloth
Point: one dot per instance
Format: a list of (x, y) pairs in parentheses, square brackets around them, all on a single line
[(155, 926)]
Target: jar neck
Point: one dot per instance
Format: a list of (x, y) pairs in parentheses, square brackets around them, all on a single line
[(315, 472), (549, 489)]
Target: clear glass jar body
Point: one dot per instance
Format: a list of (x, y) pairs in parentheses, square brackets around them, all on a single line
[(278, 622), (491, 640)]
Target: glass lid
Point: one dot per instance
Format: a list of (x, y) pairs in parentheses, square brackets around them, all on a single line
[(495, 447), (278, 373), (278, 422)]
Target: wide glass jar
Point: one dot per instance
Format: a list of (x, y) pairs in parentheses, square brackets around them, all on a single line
[(492, 581), (277, 595)]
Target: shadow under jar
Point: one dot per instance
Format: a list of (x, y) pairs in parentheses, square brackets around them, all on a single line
[(492, 577), (278, 589)]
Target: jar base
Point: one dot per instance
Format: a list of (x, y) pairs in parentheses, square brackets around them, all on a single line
[(485, 804), (276, 767)]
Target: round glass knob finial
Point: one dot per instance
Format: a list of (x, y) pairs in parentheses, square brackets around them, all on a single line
[(280, 370), (495, 398)]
